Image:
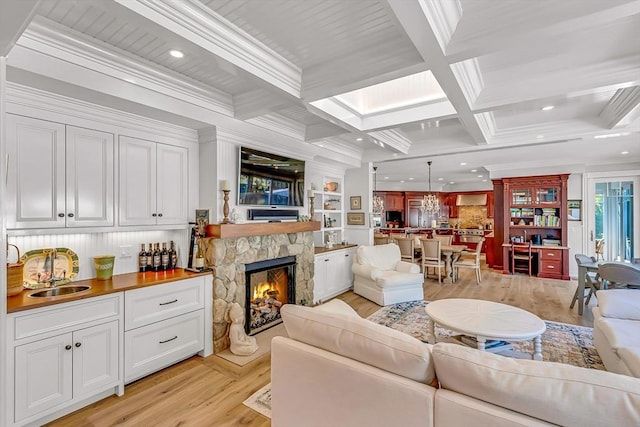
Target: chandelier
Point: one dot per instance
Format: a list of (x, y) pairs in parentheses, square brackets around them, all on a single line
[(378, 202), (430, 203)]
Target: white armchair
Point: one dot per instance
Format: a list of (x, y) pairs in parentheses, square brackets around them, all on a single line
[(382, 277)]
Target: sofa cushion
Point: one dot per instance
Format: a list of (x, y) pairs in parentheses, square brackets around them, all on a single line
[(337, 306), (631, 357), (619, 303), (361, 340), (553, 392), (392, 278), (383, 257), (620, 333)]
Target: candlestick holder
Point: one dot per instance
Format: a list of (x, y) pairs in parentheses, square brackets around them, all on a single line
[(225, 207), (311, 198)]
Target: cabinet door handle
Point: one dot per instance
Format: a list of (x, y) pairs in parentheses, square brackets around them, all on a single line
[(346, 254), (326, 260), (70, 215), (67, 347), (78, 344), (154, 214), (159, 214), (170, 339), (170, 302), (61, 215)]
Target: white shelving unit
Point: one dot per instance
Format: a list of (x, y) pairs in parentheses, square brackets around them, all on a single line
[(328, 206)]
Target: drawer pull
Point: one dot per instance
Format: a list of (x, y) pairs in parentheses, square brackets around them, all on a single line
[(550, 254), (170, 302), (551, 267), (170, 339), (67, 347)]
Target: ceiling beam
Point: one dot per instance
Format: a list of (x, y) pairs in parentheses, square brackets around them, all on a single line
[(415, 23), (14, 18), (623, 108)]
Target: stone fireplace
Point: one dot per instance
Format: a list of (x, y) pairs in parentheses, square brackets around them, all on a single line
[(230, 253)]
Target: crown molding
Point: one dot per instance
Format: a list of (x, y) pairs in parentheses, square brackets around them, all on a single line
[(280, 124), (392, 139), (469, 78), (200, 25), (443, 16), (30, 101), (236, 137), (622, 109), (207, 135), (58, 41), (487, 123)]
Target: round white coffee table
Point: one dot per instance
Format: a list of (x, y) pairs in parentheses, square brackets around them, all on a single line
[(485, 320)]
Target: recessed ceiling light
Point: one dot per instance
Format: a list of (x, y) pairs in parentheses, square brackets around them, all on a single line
[(411, 179), (358, 139), (395, 154), (463, 164), (540, 136), (474, 170), (624, 153), (386, 177), (548, 107), (402, 181), (176, 53), (452, 182), (484, 180), (440, 179), (480, 176)]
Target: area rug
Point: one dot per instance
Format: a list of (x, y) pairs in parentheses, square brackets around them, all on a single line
[(561, 342), (260, 401)]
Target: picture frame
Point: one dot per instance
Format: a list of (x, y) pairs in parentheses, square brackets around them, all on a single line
[(202, 215), (355, 218), (574, 210), (355, 203)]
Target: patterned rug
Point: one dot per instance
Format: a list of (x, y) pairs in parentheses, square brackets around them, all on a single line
[(561, 343)]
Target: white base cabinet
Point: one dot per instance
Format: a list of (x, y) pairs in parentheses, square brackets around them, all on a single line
[(332, 273), (63, 355)]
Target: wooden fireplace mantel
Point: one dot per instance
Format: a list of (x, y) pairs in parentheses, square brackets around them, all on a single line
[(225, 231)]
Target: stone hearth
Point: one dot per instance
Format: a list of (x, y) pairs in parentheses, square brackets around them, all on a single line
[(228, 257)]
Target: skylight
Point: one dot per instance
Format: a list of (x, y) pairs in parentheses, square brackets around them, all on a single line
[(403, 92)]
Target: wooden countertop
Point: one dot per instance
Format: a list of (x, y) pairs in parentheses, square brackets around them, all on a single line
[(319, 250), (117, 283)]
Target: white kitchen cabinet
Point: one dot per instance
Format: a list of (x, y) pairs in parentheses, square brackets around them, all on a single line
[(58, 176), (163, 325), (63, 355), (332, 273), (153, 183)]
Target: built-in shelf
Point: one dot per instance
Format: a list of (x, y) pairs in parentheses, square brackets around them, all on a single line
[(225, 231)]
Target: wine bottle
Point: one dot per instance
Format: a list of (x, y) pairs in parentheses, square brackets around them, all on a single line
[(157, 260), (164, 257), (142, 259), (173, 256), (199, 263), (150, 258)]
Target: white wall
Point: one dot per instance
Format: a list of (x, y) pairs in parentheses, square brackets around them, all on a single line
[(359, 182)]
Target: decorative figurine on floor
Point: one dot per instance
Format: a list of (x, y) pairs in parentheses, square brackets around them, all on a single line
[(241, 343)]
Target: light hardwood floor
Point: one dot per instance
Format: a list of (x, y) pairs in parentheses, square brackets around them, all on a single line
[(210, 391)]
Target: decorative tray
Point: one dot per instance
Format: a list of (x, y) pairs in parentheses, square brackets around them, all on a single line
[(44, 266)]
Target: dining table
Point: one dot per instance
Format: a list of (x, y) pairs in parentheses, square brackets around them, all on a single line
[(450, 254)]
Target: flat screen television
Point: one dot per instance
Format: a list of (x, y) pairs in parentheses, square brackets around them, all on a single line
[(269, 179)]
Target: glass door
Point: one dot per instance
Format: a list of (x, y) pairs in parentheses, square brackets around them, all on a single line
[(613, 212)]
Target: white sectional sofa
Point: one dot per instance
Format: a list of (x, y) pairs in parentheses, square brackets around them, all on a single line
[(616, 330), (337, 369)]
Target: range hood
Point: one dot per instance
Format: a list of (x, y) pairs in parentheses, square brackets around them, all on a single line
[(471, 200)]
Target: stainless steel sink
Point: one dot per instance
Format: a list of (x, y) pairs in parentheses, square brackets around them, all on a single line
[(62, 290)]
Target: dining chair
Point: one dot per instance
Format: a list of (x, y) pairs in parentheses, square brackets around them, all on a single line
[(431, 257), (471, 260), (521, 257), (445, 240), (407, 248), (620, 274), (380, 239), (591, 279)]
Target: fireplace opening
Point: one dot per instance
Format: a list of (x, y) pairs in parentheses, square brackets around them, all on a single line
[(270, 285)]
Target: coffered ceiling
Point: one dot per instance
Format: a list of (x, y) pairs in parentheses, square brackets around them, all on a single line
[(288, 70)]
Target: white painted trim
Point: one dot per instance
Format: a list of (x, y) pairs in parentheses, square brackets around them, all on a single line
[(4, 368), (393, 139), (623, 108), (280, 124), (233, 136), (28, 101), (200, 25), (53, 39), (443, 16), (469, 77)]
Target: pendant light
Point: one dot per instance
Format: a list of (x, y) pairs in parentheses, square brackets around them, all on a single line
[(430, 203), (378, 202)]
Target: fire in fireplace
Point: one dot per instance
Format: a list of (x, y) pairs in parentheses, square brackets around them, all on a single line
[(270, 284)]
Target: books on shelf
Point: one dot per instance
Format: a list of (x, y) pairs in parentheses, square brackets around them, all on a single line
[(492, 346)]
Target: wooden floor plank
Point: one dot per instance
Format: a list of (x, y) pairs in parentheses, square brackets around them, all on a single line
[(210, 391)]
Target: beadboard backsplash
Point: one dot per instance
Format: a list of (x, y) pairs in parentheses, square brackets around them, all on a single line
[(88, 245)]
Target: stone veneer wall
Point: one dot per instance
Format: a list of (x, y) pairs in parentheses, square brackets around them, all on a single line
[(228, 258)]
